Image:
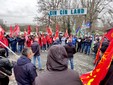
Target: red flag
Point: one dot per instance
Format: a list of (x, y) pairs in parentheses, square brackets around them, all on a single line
[(94, 77), (29, 30), (16, 30), (1, 32), (98, 52), (109, 35), (57, 32), (25, 35), (66, 33), (49, 31), (11, 31), (4, 41)]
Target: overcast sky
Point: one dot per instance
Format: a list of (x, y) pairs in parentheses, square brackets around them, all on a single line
[(18, 11)]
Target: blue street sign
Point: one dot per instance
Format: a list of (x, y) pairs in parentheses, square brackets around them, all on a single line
[(64, 12)]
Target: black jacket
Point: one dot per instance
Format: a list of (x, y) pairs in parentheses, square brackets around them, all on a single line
[(25, 71), (35, 48), (5, 67), (70, 50), (20, 41), (96, 46)]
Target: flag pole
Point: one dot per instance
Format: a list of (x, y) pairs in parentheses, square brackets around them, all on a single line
[(9, 49)]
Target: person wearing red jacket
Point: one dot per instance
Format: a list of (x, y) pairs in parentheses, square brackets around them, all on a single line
[(44, 43), (47, 38), (5, 42), (51, 40), (29, 42)]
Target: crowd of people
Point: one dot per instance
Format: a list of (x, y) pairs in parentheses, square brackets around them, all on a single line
[(25, 71), (17, 43), (60, 51), (42, 42)]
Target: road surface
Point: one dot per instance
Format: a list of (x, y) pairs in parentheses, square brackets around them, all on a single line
[(82, 63)]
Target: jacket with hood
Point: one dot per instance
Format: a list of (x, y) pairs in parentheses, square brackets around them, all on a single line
[(57, 69), (25, 71)]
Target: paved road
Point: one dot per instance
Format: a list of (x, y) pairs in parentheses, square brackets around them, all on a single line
[(82, 64)]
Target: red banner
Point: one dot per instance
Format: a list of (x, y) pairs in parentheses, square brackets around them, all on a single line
[(66, 33), (94, 77), (57, 32), (109, 35), (1, 32), (49, 31), (98, 52), (29, 30), (11, 31), (16, 30)]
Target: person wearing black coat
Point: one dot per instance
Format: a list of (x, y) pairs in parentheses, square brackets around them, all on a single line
[(36, 50), (5, 68), (24, 70), (96, 46), (79, 42), (70, 49), (21, 41)]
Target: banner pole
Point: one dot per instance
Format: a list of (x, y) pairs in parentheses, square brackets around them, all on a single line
[(9, 49)]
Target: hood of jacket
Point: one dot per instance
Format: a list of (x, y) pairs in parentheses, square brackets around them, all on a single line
[(57, 58), (23, 60)]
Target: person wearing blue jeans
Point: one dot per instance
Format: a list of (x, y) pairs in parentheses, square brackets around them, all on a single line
[(39, 61), (71, 63), (87, 50), (88, 46), (36, 50), (21, 42), (70, 49), (19, 48)]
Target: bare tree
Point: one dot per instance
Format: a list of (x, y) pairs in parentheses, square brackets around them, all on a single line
[(97, 10)]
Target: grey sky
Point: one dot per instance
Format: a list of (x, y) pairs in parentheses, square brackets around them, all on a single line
[(18, 11)]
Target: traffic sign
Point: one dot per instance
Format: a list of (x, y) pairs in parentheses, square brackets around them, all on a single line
[(64, 12)]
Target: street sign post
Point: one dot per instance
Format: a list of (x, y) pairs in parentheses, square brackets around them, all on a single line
[(65, 12)]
